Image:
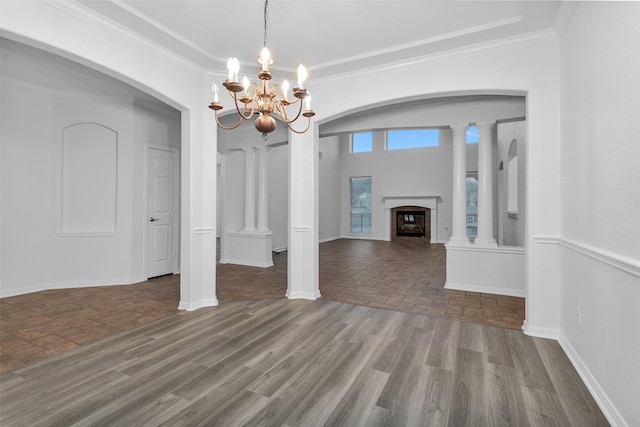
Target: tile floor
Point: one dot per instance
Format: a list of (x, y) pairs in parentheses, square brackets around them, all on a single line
[(403, 276)]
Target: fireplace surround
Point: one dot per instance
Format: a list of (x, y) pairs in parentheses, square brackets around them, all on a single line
[(427, 204)]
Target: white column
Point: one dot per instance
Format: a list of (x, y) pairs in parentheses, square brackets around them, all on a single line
[(249, 190), (263, 189), (485, 185), (303, 248), (459, 199)]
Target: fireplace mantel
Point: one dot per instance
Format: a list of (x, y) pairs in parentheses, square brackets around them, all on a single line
[(425, 201), (430, 202)]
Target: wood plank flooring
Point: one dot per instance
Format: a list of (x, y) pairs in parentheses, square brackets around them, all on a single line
[(302, 363)]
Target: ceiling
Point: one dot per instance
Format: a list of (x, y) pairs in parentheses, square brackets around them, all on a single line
[(328, 36)]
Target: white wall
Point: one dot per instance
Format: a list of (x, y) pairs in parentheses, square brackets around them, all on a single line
[(38, 252), (330, 192), (513, 227), (601, 201), (278, 195), (411, 172)]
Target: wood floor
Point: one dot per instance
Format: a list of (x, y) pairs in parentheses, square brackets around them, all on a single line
[(402, 276), (297, 363)]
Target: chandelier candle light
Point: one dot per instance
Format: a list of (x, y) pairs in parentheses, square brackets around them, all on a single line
[(257, 97)]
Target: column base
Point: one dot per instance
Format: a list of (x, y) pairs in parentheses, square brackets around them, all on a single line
[(458, 241), (249, 248), (487, 243)]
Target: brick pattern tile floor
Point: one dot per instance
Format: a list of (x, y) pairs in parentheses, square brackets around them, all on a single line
[(404, 276), (407, 276)]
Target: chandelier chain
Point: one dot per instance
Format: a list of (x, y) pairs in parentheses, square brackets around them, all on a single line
[(266, 15)]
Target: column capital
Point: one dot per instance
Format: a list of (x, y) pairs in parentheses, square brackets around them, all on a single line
[(485, 125), (459, 127)]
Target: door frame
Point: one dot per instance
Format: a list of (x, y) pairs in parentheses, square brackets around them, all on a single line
[(175, 250)]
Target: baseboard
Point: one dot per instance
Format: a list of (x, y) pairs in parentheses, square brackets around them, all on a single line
[(533, 331), (71, 285), (191, 306), (360, 237), (600, 396), (485, 289), (246, 263), (303, 295), (329, 239)]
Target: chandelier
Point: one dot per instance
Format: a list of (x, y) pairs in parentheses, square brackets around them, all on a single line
[(258, 98)]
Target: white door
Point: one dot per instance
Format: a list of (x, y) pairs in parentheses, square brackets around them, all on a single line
[(162, 210)]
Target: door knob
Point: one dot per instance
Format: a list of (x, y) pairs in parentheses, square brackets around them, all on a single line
[(152, 219)]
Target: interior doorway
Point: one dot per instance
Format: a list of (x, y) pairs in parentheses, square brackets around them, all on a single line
[(162, 210)]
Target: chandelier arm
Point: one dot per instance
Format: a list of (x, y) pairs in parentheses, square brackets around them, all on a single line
[(235, 100), (300, 131), (229, 127), (284, 115)]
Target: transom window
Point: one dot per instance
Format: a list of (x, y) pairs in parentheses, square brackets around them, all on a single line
[(362, 142), (472, 135), (401, 139)]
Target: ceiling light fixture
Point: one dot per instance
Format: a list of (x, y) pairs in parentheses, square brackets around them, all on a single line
[(257, 97)]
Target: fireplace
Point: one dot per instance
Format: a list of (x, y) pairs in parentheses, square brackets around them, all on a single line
[(410, 223)]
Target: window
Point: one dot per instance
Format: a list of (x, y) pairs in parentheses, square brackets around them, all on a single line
[(361, 205), (472, 135), (362, 142), (412, 138), (472, 204)]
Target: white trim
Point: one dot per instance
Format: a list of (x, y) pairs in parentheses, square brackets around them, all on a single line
[(250, 234), (533, 331), (88, 233), (606, 406), (516, 250), (191, 306), (429, 202), (548, 239), (246, 263), (619, 262), (363, 237), (424, 42), (563, 16), (302, 228), (329, 239), (118, 30), (72, 285), (513, 42), (203, 230), (486, 289), (303, 295)]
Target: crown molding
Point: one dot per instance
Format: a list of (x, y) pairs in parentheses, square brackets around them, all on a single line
[(167, 30), (508, 43), (83, 13), (423, 42), (564, 16)]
